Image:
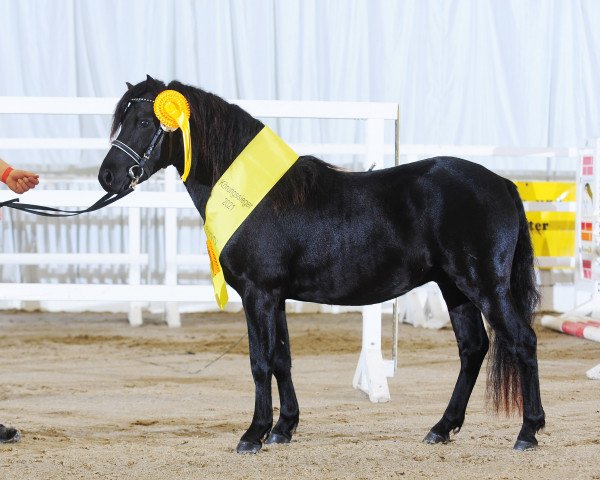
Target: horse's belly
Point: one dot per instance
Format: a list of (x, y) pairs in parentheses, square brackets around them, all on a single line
[(354, 283)]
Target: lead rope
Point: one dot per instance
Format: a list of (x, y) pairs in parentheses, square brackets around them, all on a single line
[(57, 212)]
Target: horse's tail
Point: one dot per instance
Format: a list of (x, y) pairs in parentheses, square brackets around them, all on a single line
[(523, 284), (504, 378)]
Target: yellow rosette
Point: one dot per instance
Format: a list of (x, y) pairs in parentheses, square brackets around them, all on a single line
[(173, 111)]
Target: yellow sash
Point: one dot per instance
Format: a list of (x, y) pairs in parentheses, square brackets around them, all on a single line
[(239, 190)]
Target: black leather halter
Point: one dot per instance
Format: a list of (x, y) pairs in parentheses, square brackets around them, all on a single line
[(137, 171)]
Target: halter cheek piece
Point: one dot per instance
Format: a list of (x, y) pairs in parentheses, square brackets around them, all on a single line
[(137, 171)]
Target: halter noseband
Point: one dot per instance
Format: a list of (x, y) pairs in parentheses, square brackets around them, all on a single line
[(140, 161)]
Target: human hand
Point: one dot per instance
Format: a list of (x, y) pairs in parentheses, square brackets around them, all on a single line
[(20, 181)]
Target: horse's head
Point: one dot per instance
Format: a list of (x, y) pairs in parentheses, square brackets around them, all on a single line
[(136, 151), (218, 132)]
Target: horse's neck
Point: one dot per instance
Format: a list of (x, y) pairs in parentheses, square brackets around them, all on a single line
[(225, 130), (199, 194), (228, 130)]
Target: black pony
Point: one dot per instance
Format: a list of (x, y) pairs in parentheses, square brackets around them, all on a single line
[(335, 237)]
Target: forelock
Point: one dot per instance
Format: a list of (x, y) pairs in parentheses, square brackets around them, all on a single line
[(149, 88)]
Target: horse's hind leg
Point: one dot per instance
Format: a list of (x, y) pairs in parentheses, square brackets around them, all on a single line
[(282, 368), (513, 379), (533, 412), (514, 376), (472, 346)]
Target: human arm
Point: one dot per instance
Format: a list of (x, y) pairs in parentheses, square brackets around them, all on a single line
[(19, 181)]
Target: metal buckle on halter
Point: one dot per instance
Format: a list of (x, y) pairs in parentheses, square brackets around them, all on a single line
[(135, 178)]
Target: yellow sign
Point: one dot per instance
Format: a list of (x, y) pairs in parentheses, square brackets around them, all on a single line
[(239, 190), (552, 233)]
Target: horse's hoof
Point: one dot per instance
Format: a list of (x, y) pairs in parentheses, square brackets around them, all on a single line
[(248, 447), (522, 445), (9, 435), (433, 437), (277, 438)]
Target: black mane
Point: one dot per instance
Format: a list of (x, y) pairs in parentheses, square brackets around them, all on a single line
[(219, 130)]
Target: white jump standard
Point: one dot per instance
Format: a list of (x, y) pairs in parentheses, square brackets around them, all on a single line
[(584, 320)]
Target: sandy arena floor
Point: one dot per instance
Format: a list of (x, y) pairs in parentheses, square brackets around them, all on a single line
[(95, 398)]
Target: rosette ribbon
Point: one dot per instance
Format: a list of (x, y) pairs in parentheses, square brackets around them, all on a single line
[(173, 111)]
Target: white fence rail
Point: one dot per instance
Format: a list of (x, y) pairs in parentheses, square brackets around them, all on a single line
[(374, 116)]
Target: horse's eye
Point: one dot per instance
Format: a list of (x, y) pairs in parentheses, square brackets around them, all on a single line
[(144, 123)]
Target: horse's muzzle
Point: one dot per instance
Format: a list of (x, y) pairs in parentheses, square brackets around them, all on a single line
[(112, 183)]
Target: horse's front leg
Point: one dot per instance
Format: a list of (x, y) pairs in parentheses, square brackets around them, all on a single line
[(261, 315), (282, 369)]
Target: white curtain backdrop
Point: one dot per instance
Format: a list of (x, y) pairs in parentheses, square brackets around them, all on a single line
[(502, 72), (509, 72)]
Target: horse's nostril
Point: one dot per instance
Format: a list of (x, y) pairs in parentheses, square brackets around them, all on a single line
[(107, 176)]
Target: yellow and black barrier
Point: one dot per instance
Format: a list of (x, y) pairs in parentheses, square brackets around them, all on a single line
[(552, 233)]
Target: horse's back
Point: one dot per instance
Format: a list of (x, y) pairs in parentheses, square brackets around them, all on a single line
[(440, 195), (467, 207), (448, 174)]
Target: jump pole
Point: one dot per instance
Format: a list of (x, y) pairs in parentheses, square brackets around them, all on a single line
[(583, 328), (396, 306)]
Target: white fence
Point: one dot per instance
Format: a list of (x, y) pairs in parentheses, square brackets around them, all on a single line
[(372, 149)]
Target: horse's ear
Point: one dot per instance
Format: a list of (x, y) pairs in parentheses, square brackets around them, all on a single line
[(129, 85), (149, 81)]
